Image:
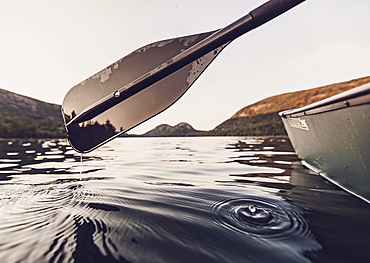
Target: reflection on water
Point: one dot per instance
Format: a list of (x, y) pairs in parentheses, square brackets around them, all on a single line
[(20, 158), (173, 200)]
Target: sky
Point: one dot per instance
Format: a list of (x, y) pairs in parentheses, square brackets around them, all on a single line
[(47, 47)]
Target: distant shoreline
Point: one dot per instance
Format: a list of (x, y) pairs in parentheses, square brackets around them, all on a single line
[(22, 117)]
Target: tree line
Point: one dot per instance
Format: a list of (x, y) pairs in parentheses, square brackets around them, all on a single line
[(23, 127)]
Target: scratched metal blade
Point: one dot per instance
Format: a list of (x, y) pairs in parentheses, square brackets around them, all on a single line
[(89, 135)]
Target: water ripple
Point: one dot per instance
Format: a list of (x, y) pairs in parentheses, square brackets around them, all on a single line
[(263, 218), (40, 211)]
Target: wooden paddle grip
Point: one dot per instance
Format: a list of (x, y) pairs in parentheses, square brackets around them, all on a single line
[(272, 9)]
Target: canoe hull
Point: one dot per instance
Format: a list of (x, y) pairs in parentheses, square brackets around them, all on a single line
[(332, 139)]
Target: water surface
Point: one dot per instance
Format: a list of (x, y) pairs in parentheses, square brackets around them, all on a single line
[(218, 199)]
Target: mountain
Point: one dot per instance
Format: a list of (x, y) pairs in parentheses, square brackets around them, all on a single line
[(24, 117), (262, 118), (298, 99), (181, 129)]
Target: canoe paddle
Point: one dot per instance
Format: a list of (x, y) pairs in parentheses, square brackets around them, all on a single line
[(149, 80)]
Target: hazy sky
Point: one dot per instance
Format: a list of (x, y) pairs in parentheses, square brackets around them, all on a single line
[(47, 47)]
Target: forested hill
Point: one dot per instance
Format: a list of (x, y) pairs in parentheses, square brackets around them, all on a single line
[(298, 99), (24, 117), (181, 129), (262, 118)]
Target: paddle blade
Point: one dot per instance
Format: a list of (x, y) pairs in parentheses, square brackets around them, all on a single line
[(88, 135)]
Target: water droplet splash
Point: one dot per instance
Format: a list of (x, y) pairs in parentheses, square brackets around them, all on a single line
[(252, 208), (254, 214)]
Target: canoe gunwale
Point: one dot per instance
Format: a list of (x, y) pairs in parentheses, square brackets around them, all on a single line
[(354, 97)]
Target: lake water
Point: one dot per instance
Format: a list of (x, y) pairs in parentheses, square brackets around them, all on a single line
[(217, 199)]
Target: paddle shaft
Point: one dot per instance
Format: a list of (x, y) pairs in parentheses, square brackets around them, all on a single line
[(254, 19)]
